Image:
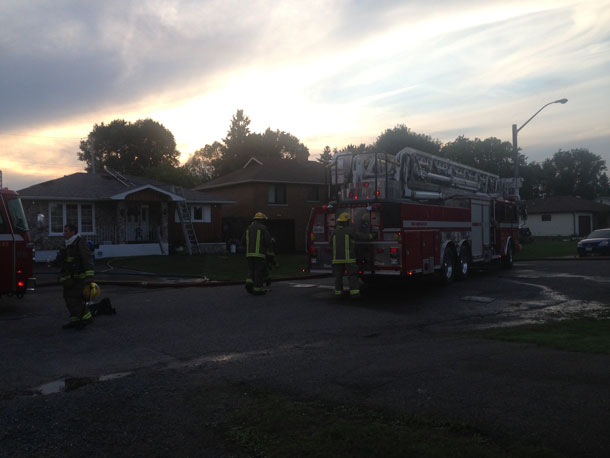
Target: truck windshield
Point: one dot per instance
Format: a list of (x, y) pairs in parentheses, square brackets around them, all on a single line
[(17, 215)]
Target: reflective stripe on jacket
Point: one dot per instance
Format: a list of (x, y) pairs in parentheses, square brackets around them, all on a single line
[(343, 239)]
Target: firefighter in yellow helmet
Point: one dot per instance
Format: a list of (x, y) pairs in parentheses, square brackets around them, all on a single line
[(344, 255), (76, 272), (259, 246)]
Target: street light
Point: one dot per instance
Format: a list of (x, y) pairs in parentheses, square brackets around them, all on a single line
[(516, 148)]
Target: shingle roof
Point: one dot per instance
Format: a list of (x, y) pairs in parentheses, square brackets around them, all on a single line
[(271, 171), (102, 186), (564, 204)]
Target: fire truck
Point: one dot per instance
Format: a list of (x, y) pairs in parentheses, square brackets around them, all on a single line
[(16, 247), (427, 214)]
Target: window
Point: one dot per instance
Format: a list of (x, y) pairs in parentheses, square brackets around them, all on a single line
[(276, 194), (82, 215), (313, 194), (546, 217), (199, 214)]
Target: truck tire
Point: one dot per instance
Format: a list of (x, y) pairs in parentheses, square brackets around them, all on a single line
[(464, 261), (507, 259), (447, 272)]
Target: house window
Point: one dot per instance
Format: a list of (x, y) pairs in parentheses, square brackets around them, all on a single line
[(199, 214), (313, 194), (546, 217), (276, 194), (81, 215)]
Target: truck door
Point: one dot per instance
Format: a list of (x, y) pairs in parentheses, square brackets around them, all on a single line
[(7, 252)]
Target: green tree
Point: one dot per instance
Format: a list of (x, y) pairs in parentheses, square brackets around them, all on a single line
[(326, 156), (202, 163), (129, 148), (167, 173), (577, 172), (393, 140), (278, 144), (491, 155)]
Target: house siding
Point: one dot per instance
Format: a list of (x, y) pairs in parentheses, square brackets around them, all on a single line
[(561, 224), (253, 197)]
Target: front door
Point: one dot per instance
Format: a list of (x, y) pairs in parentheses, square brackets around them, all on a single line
[(138, 223), (584, 225)]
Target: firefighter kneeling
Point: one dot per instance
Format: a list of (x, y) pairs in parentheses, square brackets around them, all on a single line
[(259, 249), (344, 255)]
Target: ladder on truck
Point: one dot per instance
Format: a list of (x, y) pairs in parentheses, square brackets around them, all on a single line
[(184, 213), (423, 174)]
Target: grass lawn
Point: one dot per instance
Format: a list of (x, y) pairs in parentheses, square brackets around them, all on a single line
[(220, 267), (542, 247), (586, 335), (271, 424)]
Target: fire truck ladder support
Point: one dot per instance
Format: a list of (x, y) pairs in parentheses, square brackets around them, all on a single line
[(190, 238)]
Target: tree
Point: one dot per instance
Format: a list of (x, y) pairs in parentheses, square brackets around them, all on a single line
[(577, 172), (393, 140), (202, 162), (491, 155), (129, 148), (167, 173), (326, 156), (240, 144)]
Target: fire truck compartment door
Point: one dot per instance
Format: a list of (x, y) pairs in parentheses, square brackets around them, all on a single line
[(480, 227)]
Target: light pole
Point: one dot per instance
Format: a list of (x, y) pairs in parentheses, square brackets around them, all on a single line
[(516, 148)]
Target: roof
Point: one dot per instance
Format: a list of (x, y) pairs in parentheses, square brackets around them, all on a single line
[(564, 204), (103, 186), (271, 171)]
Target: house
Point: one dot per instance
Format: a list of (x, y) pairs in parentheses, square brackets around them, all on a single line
[(565, 216), (120, 215), (285, 190)]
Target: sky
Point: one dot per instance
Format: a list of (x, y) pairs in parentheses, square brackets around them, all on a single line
[(330, 72)]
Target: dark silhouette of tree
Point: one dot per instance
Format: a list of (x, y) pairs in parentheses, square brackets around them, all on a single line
[(393, 140), (326, 156), (577, 172), (129, 148)]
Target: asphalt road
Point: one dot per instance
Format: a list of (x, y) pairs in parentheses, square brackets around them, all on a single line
[(397, 347)]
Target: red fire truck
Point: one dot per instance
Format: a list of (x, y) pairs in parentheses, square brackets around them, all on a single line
[(428, 215), (16, 247)]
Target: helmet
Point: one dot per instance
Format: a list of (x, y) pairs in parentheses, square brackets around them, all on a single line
[(343, 217), (91, 291), (260, 215)]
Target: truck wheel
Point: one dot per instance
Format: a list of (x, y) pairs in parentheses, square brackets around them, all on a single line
[(507, 259), (448, 266), (464, 263)]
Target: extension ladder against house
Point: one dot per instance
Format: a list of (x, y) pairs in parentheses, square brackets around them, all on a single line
[(184, 213)]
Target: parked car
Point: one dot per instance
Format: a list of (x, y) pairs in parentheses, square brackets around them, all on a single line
[(596, 243)]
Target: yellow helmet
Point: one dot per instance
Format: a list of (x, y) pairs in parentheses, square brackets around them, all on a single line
[(343, 217), (260, 215), (91, 291)]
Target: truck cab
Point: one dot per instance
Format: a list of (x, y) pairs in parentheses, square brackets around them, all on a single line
[(16, 247)]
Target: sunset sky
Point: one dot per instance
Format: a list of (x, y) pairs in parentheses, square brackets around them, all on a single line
[(329, 72)]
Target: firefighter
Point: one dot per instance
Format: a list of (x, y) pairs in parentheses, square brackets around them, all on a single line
[(259, 248), (76, 262), (344, 255)]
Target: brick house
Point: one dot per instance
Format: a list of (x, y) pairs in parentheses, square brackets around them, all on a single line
[(285, 190), (121, 215), (565, 216)]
